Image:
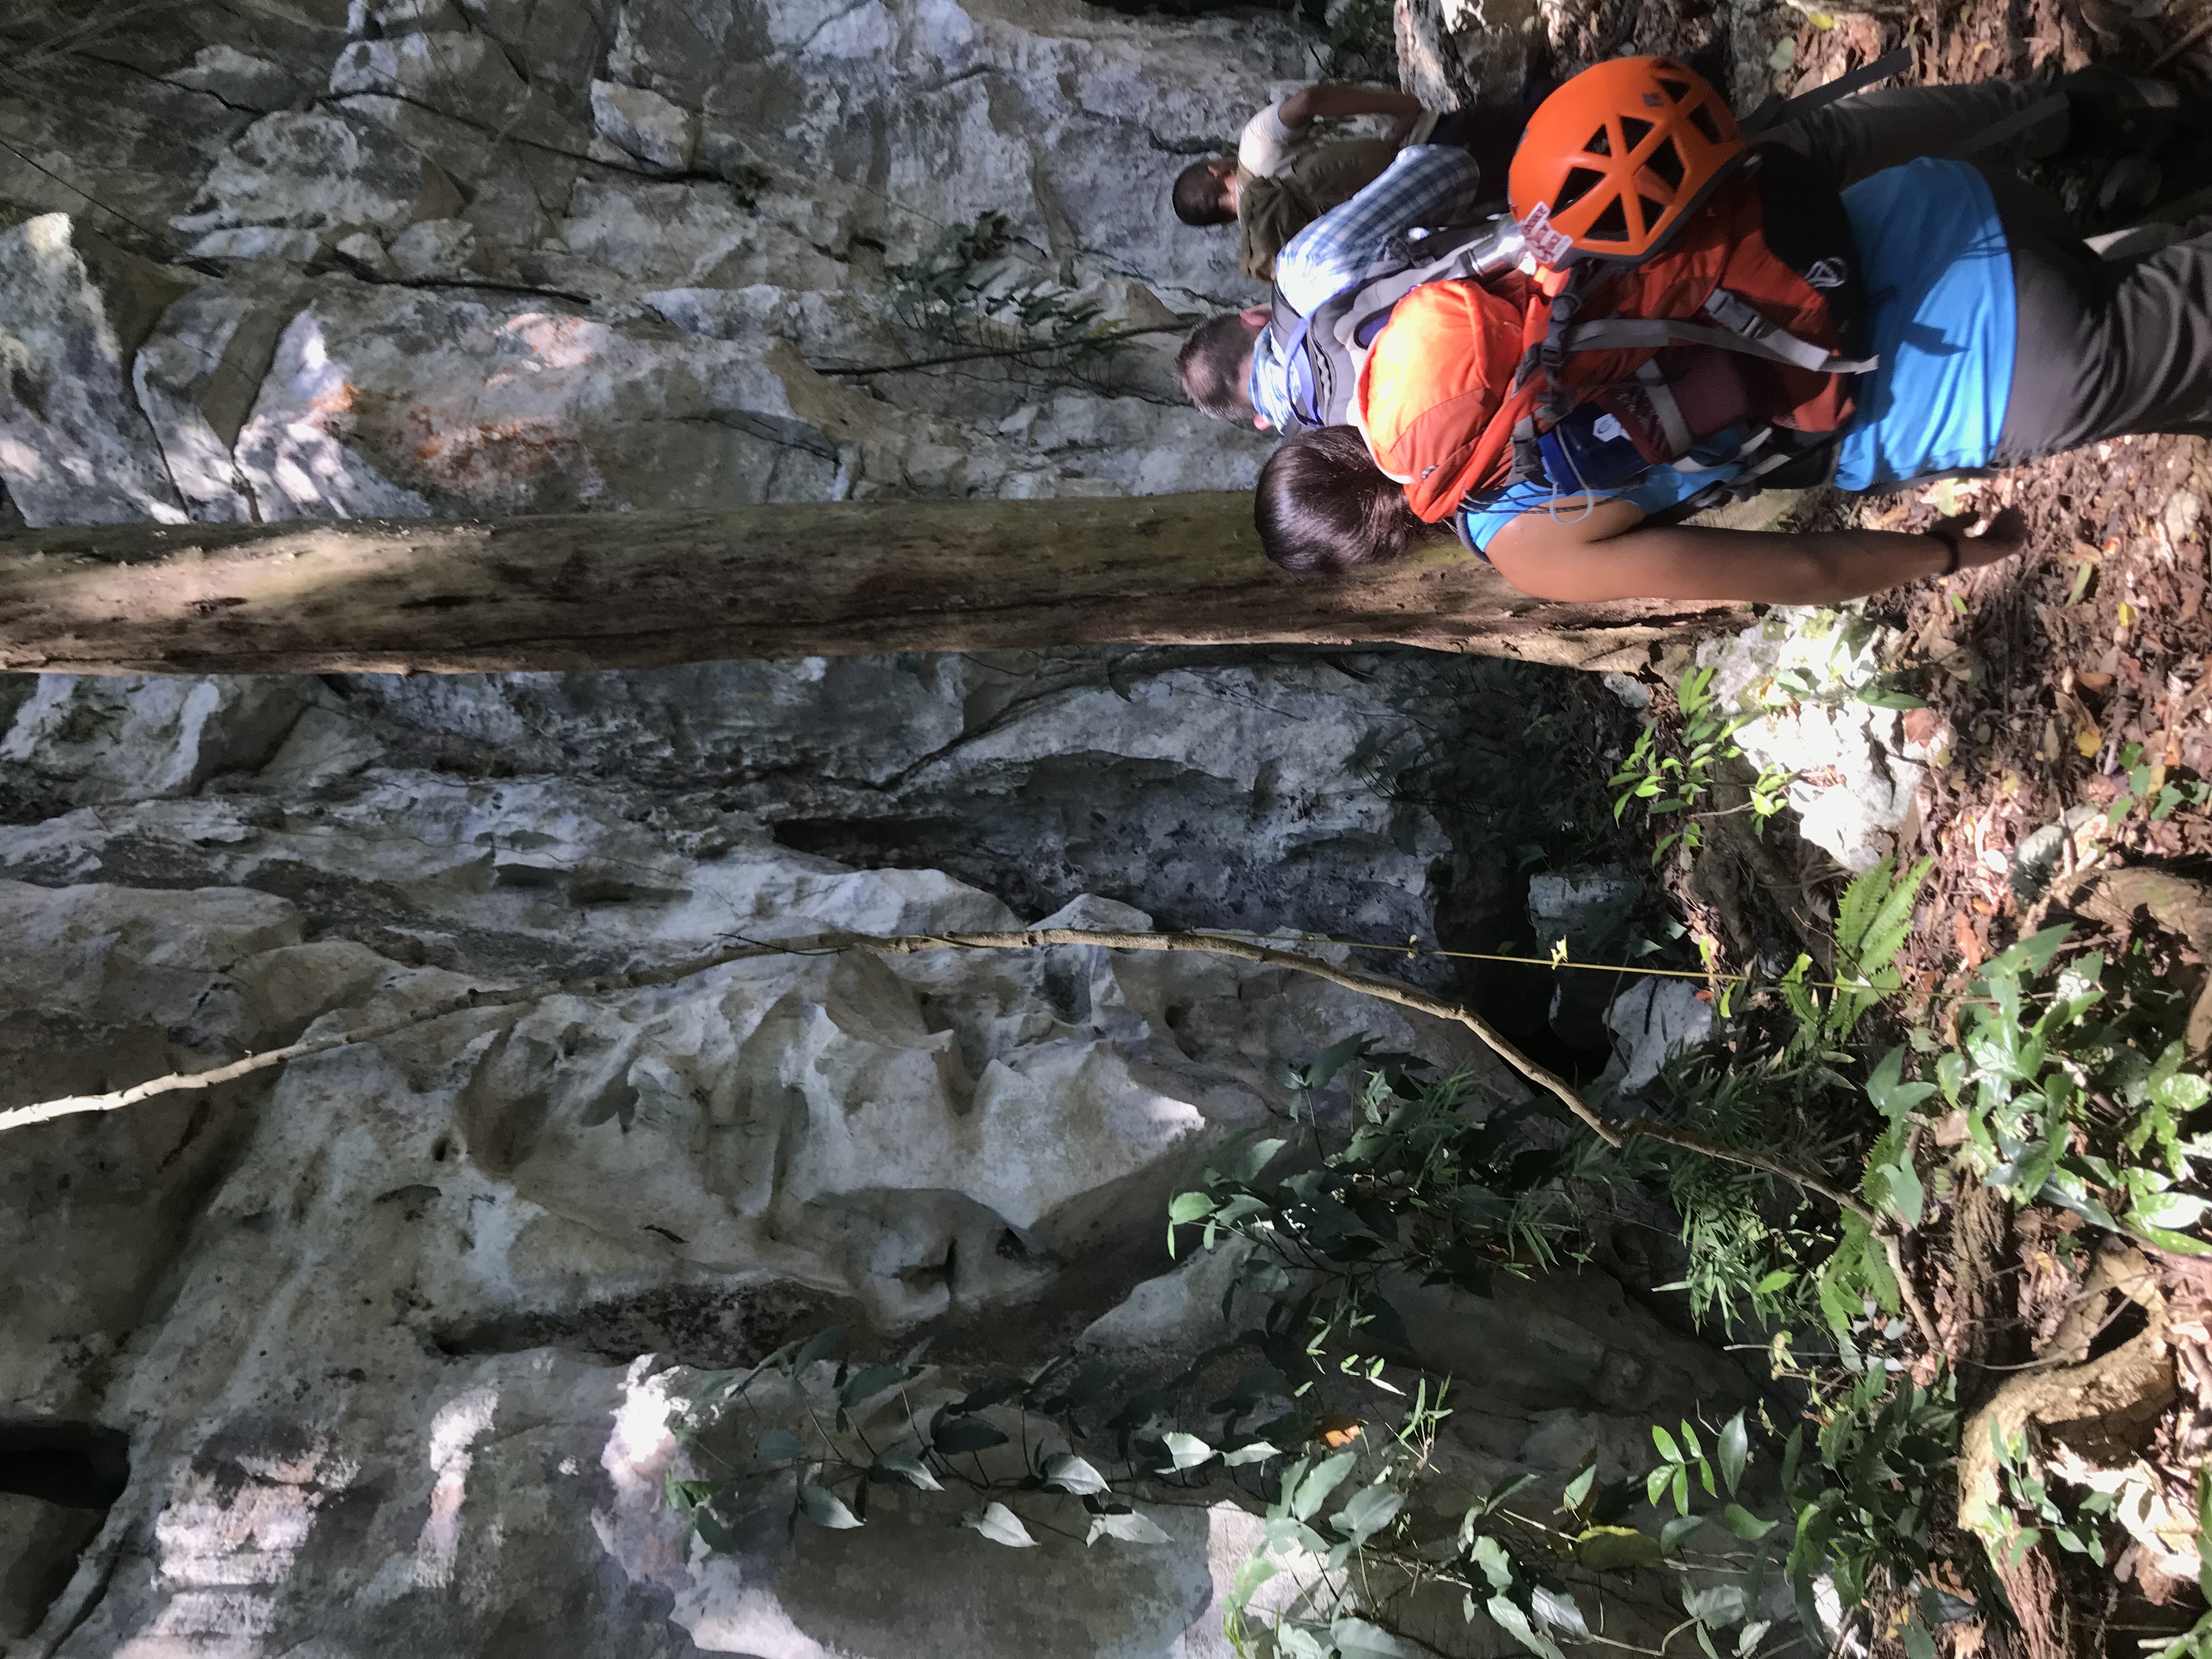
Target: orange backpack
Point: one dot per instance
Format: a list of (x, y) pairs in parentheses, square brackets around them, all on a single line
[(1678, 285), (1466, 383)]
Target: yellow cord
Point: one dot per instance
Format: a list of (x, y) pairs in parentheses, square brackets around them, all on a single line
[(1523, 961)]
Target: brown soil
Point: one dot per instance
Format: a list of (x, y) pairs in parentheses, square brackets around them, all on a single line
[(2049, 680)]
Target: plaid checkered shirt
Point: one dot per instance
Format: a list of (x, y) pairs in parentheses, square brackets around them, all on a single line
[(1426, 184)]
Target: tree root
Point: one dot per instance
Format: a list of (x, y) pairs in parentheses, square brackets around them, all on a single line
[(2102, 1404)]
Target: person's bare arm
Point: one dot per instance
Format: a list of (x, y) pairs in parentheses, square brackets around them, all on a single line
[(1338, 102), (1610, 555)]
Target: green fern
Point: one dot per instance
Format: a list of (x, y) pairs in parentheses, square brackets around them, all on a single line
[(1872, 924)]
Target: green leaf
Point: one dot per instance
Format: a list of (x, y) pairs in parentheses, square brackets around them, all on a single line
[(1734, 1451), (778, 1446), (1185, 1451), (900, 1464), (1892, 1098), (712, 1527), (1491, 1557), (1253, 1158), (2167, 1209), (1071, 1473), (1668, 1448), (684, 1496), (815, 1346), (1334, 1058), (824, 1508), (964, 1434), (1314, 1490), (1128, 1526), (1356, 1638), (1558, 1607), (1605, 1549), (1579, 1488), (1715, 1605), (1000, 1525), (1516, 1623), (1918, 1643), (1090, 1383), (2180, 1093), (1902, 1194), (1190, 1206), (1882, 697), (869, 1381), (1743, 1524), (1370, 1510), (1677, 1529), (1256, 1451)]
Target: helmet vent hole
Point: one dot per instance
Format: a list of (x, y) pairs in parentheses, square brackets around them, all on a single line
[(1678, 90), (1666, 163), (1702, 119), (1600, 143), (1611, 226), (1579, 183), (1652, 211), (1633, 131)]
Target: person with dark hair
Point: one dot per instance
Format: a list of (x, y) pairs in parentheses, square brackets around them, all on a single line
[(1279, 181), (1324, 508)]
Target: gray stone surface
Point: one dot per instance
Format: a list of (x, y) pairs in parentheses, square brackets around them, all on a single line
[(720, 200), (1652, 1021), (74, 446), (1797, 675), (393, 1333), (382, 1327)]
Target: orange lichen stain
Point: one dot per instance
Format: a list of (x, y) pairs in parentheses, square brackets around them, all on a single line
[(337, 400), (489, 460)]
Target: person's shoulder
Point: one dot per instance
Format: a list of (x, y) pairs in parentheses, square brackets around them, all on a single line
[(1266, 145)]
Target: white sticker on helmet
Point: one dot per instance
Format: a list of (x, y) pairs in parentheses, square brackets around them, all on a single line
[(1550, 246)]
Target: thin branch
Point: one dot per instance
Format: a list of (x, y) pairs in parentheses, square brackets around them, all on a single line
[(476, 999), (1032, 350), (1648, 1129)]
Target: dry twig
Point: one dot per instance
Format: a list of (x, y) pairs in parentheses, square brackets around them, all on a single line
[(1384, 990)]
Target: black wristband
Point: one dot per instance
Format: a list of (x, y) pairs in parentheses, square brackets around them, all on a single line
[(1950, 540)]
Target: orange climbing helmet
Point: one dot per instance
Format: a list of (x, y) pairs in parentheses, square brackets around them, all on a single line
[(1614, 161)]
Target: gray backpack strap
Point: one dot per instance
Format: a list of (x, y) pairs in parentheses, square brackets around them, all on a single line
[(1774, 111), (1742, 329), (2020, 121), (1484, 252)]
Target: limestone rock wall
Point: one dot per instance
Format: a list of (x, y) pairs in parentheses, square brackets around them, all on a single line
[(393, 1334), (405, 258), (374, 1356)]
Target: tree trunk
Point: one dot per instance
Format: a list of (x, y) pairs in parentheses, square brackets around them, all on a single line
[(642, 590)]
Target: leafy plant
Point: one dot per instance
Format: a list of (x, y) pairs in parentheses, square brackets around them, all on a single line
[(2037, 1082), (1362, 42), (1422, 1184), (1012, 1453), (2023, 1490), (969, 288), (1867, 1502), (1667, 782), (2147, 785)]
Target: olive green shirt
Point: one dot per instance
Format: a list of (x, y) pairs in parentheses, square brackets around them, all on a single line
[(1270, 211)]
